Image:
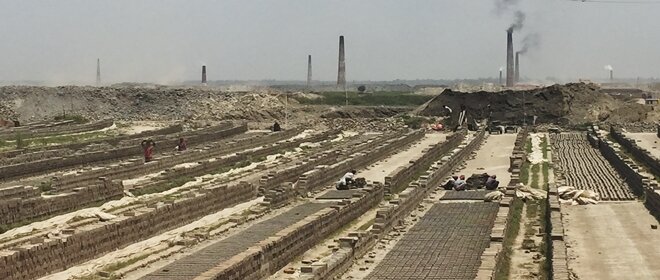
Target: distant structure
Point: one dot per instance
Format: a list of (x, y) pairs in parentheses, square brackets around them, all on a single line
[(517, 76), (341, 75), (500, 76), (509, 58), (309, 70), (203, 74), (98, 72)]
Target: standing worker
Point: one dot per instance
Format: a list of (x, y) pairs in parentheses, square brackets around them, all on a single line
[(148, 148)]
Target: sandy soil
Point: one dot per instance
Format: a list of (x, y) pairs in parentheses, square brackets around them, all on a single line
[(647, 141), (612, 241), (493, 158)]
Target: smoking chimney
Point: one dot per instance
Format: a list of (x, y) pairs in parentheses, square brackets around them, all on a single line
[(98, 72), (509, 58), (341, 75), (309, 70), (500, 76), (611, 75), (517, 76), (203, 74)]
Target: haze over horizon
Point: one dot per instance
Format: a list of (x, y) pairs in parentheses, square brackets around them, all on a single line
[(168, 41)]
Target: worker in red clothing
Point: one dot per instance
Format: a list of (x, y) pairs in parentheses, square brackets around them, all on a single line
[(148, 147)]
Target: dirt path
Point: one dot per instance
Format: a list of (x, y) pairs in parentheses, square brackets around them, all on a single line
[(612, 241), (379, 170), (493, 158)]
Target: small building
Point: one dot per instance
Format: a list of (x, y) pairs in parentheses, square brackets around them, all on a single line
[(651, 101)]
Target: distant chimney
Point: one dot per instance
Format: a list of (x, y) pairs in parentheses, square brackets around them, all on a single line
[(309, 70), (509, 58), (517, 77), (611, 75), (98, 72), (204, 74), (500, 76), (341, 75)]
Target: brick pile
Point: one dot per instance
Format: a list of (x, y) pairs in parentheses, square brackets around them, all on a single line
[(20, 209), (396, 180), (49, 164), (55, 130), (76, 245), (270, 255), (324, 175)]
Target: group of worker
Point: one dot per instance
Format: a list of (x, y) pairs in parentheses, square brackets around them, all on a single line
[(148, 146), (458, 183)]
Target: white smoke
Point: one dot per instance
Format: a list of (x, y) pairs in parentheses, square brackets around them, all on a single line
[(609, 67), (501, 68)]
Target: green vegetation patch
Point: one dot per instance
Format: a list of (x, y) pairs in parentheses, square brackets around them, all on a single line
[(503, 269)]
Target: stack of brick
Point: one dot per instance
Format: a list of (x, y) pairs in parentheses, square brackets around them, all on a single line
[(136, 167), (292, 173), (556, 239), (21, 192), (77, 245), (324, 175), (279, 196), (640, 154), (19, 209), (409, 198), (49, 151), (270, 255), (397, 179), (49, 164), (351, 247), (56, 130)]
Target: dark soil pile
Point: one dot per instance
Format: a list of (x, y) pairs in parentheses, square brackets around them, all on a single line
[(568, 104)]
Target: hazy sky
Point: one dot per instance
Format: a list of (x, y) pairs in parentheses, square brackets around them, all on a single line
[(167, 41)]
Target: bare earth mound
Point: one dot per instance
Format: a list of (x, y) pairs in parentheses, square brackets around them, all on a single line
[(562, 104)]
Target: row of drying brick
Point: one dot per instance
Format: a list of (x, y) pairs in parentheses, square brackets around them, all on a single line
[(270, 255), (632, 173), (361, 155), (291, 174), (356, 244), (57, 253), (492, 259), (45, 165), (555, 228), (136, 167), (324, 175), (55, 130), (17, 210), (399, 178), (642, 155), (208, 166), (33, 154)]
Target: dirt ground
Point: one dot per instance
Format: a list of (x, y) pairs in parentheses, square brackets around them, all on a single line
[(493, 158), (612, 241), (379, 170), (647, 141)]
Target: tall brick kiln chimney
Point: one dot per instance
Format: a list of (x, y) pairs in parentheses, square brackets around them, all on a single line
[(509, 58), (517, 76), (98, 72), (341, 75), (203, 74), (611, 75), (309, 70)]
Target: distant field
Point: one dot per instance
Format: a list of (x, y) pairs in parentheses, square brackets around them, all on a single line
[(367, 99)]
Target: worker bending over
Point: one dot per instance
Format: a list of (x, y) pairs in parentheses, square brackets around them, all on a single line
[(346, 180)]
